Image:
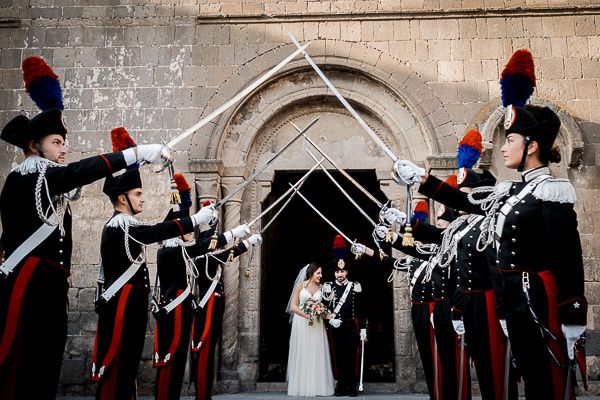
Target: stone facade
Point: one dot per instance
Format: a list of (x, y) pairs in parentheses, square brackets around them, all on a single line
[(420, 72)]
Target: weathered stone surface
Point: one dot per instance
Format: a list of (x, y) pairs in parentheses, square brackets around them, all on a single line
[(419, 82)]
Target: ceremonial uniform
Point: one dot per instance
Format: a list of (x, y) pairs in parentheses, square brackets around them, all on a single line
[(122, 307), (174, 316), (37, 242), (345, 340), (208, 318)]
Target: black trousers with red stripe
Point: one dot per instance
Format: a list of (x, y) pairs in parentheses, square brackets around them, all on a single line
[(487, 344), (208, 323), (33, 330), (421, 314), (449, 352), (346, 352), (543, 377), (176, 342), (118, 381)]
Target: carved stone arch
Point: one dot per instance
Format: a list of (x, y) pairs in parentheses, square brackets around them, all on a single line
[(491, 117), (420, 98)]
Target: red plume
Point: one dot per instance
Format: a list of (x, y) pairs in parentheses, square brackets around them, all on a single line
[(338, 242), (452, 181), (206, 203), (422, 206), (182, 184), (521, 62), (35, 67), (473, 139), (120, 139)]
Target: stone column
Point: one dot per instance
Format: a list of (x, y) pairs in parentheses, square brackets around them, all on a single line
[(207, 177), (231, 280)]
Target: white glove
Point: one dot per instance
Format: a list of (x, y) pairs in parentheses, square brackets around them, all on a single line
[(392, 216), (204, 216), (363, 334), (358, 248), (504, 328), (255, 239), (407, 173), (335, 322), (572, 334), (459, 326), (153, 153), (381, 231), (240, 231)]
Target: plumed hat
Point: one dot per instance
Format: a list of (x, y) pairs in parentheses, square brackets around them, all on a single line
[(43, 87)]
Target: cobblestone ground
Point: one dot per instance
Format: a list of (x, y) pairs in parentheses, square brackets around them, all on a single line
[(282, 396)]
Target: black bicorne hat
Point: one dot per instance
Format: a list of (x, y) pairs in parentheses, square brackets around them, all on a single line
[(447, 214), (20, 130), (471, 179), (120, 184), (536, 123)]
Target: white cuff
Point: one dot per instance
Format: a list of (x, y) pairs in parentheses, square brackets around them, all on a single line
[(247, 244), (130, 156), (228, 236)]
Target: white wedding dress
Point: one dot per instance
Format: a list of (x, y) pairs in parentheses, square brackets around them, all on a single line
[(309, 364)]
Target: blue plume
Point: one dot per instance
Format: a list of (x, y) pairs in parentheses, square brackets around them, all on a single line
[(46, 93), (516, 90), (467, 156)]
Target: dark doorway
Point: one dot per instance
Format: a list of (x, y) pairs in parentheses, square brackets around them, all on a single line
[(300, 236)]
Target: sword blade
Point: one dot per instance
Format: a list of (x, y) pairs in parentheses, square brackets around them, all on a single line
[(344, 102), (506, 370), (461, 370), (283, 196), (315, 209), (264, 228), (336, 166), (236, 98), (568, 383), (362, 366), (350, 199), (258, 171)]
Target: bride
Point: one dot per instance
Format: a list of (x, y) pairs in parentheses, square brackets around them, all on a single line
[(309, 364)]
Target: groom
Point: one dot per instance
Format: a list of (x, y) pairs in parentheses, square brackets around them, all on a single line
[(347, 325)]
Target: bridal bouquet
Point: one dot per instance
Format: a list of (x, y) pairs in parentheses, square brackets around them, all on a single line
[(315, 310)]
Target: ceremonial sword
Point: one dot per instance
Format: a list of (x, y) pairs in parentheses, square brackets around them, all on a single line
[(462, 366), (507, 360), (258, 171), (236, 98), (336, 166), (293, 187), (350, 199), (368, 251), (344, 102)]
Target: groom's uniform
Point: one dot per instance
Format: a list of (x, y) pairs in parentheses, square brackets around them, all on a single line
[(343, 299)]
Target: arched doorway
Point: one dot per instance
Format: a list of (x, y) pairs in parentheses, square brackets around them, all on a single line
[(300, 236)]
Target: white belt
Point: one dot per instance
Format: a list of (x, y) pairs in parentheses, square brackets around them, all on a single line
[(178, 300), (33, 241), (211, 288), (110, 292)]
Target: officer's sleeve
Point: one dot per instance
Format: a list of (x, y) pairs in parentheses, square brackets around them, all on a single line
[(451, 197), (83, 172), (162, 231), (201, 245), (427, 233), (563, 256)]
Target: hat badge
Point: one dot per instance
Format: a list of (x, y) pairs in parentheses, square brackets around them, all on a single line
[(509, 116), (341, 264)]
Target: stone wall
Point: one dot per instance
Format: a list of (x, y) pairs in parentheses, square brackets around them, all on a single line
[(425, 71)]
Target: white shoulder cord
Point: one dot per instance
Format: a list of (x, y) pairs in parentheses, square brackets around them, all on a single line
[(490, 206), (402, 265), (449, 243), (58, 210), (128, 237)]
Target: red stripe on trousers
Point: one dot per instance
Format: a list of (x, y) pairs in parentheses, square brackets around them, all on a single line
[(437, 389), (204, 350), (115, 343), (163, 381), (108, 387), (559, 377), (15, 308), (497, 344)]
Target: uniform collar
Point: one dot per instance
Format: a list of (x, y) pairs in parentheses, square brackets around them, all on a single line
[(342, 284), (531, 174)]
